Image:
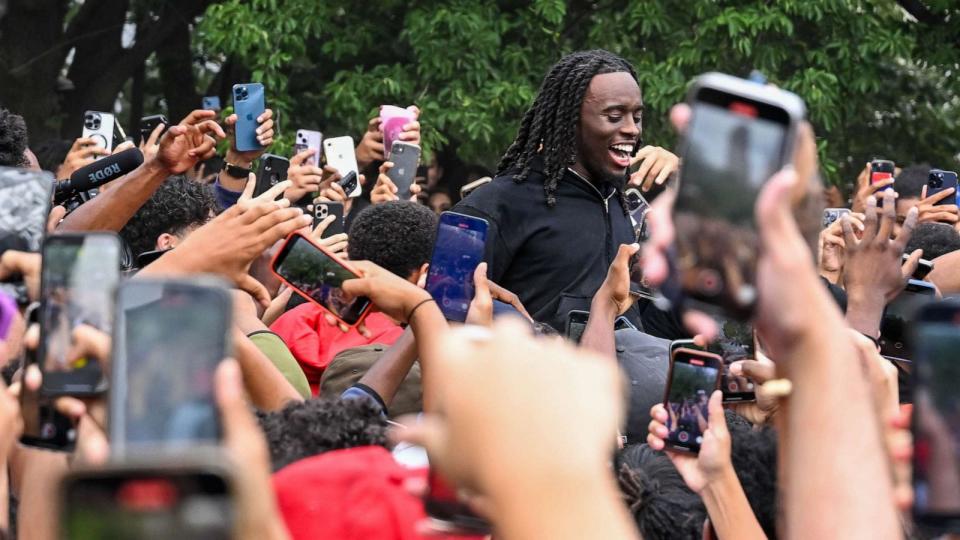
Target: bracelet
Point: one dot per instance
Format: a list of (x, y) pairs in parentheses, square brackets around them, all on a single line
[(416, 307)]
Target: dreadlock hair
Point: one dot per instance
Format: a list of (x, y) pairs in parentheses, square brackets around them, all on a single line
[(554, 118)]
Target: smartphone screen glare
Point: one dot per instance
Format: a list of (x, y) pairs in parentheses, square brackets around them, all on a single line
[(459, 248)]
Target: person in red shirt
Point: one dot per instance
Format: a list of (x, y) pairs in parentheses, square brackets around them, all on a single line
[(397, 236)]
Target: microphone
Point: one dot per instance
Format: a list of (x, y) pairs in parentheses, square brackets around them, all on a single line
[(98, 173)]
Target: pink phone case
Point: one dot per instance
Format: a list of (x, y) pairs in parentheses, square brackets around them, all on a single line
[(392, 120)]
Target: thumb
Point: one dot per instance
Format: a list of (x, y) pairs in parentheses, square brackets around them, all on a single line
[(716, 420), (774, 217), (758, 372), (481, 286), (427, 431), (256, 289), (911, 264), (624, 253)]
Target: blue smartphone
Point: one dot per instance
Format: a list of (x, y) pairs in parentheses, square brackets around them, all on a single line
[(939, 180), (249, 105), (458, 250)]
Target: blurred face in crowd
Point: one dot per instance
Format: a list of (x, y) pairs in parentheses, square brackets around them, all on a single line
[(904, 204), (440, 202), (609, 127)]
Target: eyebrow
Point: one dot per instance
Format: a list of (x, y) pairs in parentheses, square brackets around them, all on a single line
[(620, 107)]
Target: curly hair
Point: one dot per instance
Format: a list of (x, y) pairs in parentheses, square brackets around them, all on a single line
[(396, 235), (175, 207), (754, 457), (308, 428), (13, 140), (549, 128), (52, 153), (935, 239), (909, 183)]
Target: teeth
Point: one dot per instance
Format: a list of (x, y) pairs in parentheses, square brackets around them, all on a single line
[(627, 148)]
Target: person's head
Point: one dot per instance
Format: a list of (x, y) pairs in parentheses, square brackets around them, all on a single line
[(174, 211), (658, 499), (13, 141), (51, 154), (307, 428), (439, 201), (909, 185), (935, 239), (396, 235), (586, 115), (434, 172)]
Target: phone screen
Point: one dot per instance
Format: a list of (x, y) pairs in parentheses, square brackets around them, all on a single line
[(576, 324), (693, 377), (170, 338), (458, 250), (319, 277), (936, 416), (79, 277), (895, 339), (734, 342), (732, 147), (149, 505), (24, 205)]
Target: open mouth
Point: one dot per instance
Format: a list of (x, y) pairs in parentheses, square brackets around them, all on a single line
[(621, 153)]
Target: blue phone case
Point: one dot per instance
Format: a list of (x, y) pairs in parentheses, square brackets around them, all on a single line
[(248, 106)]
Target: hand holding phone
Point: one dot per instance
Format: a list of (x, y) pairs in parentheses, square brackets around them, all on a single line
[(340, 154), (99, 126), (938, 181), (321, 210), (272, 170), (248, 104), (693, 377), (881, 170), (405, 158), (309, 140), (392, 120)]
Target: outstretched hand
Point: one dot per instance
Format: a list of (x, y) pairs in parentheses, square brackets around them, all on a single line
[(194, 139)]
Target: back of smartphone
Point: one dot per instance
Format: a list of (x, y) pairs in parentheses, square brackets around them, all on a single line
[(170, 337), (880, 170), (459, 248), (79, 276), (99, 127), (150, 123), (248, 103), (309, 140), (405, 158), (272, 171), (576, 324), (740, 134), (321, 210), (939, 180), (340, 154), (898, 317)]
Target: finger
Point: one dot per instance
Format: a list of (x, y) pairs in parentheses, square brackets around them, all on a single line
[(70, 407), (254, 288), (426, 431), (248, 189), (716, 419), (154, 137), (386, 166), (936, 197), (697, 322), (849, 237), (906, 231), (664, 174), (642, 173), (92, 443), (231, 120), (32, 378), (910, 265), (759, 372), (199, 116), (298, 159), (680, 116), (881, 185), (57, 213), (889, 216), (871, 220), (322, 226), (654, 442), (923, 193), (125, 145), (275, 191), (210, 126), (266, 116)]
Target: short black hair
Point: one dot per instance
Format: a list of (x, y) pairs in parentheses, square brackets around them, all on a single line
[(396, 235), (657, 497), (754, 457), (909, 183), (177, 205), (935, 239), (52, 153), (307, 428), (13, 140)]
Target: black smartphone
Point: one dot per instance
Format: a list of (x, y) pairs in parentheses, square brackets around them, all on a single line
[(79, 276), (272, 171), (880, 170), (170, 337), (740, 134), (898, 317), (924, 267), (447, 514), (24, 206), (147, 501), (623, 323), (349, 182), (936, 416), (694, 375), (459, 248), (318, 275), (321, 210), (638, 207), (939, 180), (150, 123), (576, 324), (405, 157)]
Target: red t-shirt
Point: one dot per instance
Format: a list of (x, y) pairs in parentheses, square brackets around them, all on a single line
[(314, 342)]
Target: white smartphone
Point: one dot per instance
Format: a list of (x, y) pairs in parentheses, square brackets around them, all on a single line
[(307, 139), (99, 127), (340, 154)]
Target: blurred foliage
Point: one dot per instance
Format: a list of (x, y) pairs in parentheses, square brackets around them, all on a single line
[(877, 82)]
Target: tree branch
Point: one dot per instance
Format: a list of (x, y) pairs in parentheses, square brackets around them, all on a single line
[(920, 12)]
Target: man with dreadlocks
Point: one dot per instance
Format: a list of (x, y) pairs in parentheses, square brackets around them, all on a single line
[(556, 210)]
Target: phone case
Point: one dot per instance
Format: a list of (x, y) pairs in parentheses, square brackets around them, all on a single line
[(940, 180), (248, 104), (405, 158), (272, 171), (99, 127), (211, 103), (308, 139), (323, 209), (708, 359), (340, 154), (392, 120)]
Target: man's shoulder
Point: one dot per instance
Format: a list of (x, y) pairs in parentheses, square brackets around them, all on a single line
[(499, 195)]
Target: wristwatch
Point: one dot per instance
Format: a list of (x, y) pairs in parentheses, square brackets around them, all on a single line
[(236, 171)]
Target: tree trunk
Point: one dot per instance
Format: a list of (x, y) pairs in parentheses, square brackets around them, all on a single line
[(175, 60)]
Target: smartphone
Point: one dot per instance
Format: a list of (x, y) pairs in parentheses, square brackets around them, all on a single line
[(740, 134), (392, 120), (99, 126), (576, 324), (349, 183), (323, 209), (936, 416), (898, 318), (317, 275), (880, 170), (639, 288), (623, 323), (170, 337), (939, 180), (248, 103), (734, 341), (272, 171), (694, 375), (150, 123), (638, 207), (339, 153), (210, 103), (904, 369), (469, 188), (24, 206), (78, 280), (148, 501), (447, 514), (405, 158), (309, 140), (459, 248), (924, 267), (831, 215)]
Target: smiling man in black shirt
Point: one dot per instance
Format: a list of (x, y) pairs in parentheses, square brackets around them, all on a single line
[(556, 209)]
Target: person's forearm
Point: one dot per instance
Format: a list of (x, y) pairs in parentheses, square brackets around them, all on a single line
[(268, 389), (599, 334), (864, 312), (387, 373), (728, 508), (429, 328), (39, 485), (112, 209)]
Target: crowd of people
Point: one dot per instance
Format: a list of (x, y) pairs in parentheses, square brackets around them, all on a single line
[(406, 425)]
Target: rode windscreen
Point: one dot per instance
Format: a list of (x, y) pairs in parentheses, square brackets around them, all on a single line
[(98, 173)]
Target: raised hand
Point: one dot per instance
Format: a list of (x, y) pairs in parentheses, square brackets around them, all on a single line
[(264, 137), (83, 152), (385, 190), (930, 210), (190, 141), (656, 167), (866, 189), (306, 178)]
